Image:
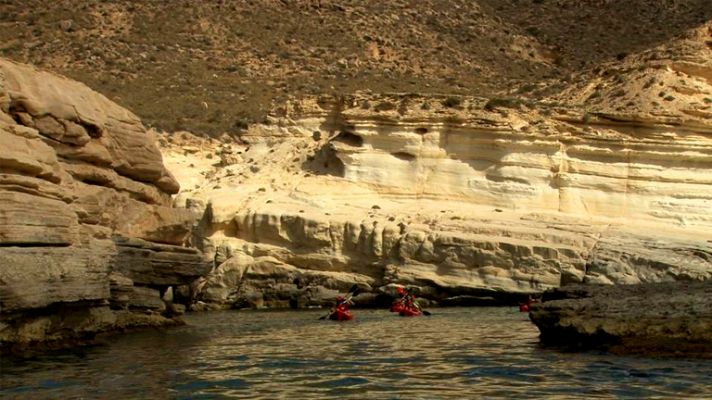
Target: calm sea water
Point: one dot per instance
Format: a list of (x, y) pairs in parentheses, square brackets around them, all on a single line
[(453, 354)]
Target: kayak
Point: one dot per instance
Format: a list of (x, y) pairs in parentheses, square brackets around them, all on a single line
[(397, 307), (341, 314), (410, 312), (524, 307)]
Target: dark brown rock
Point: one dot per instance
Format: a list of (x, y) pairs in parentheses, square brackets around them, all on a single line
[(672, 318)]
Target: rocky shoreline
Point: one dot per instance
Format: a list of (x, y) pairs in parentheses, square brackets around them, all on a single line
[(662, 319), (469, 200)]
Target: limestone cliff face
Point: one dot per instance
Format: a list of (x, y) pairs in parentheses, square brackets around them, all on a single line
[(466, 198), (83, 194)]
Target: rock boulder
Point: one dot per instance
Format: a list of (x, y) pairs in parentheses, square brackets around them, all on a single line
[(86, 222)]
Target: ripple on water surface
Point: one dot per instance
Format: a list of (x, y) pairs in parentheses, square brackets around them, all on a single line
[(455, 353)]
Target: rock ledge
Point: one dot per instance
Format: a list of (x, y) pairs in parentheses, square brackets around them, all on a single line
[(671, 319)]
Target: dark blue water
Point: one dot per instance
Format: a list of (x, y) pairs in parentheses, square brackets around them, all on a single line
[(453, 354)]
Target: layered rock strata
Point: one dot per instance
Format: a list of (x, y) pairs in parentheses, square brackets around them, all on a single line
[(88, 237), (469, 199), (665, 318)]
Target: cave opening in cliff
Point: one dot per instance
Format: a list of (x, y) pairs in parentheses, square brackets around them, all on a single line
[(349, 138)]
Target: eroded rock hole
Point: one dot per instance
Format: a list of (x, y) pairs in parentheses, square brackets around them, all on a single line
[(325, 162), (92, 130), (403, 156), (349, 138)]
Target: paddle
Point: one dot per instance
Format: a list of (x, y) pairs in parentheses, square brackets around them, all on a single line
[(426, 313), (353, 291), (415, 303)]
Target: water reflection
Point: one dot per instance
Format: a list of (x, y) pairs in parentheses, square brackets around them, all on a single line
[(455, 353)]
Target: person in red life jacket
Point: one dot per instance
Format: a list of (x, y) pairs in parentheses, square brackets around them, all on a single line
[(524, 307), (341, 312), (398, 304), (410, 307)]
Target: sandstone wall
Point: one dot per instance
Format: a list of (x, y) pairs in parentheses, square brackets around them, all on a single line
[(78, 175)]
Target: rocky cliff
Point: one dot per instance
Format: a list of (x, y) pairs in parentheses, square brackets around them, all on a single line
[(470, 199), (89, 241)]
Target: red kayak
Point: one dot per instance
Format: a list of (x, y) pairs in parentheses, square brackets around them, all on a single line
[(341, 315), (410, 312), (397, 306), (341, 311), (524, 307)]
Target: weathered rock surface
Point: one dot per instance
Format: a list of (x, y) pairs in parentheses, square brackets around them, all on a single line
[(82, 186), (672, 318), (466, 197)]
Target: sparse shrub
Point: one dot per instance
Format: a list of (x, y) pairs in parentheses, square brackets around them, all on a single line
[(708, 100), (503, 102), (452, 102), (241, 124), (425, 106), (385, 106), (669, 98), (532, 30), (594, 95), (661, 94)]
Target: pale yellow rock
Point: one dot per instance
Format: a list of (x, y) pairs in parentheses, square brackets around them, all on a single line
[(81, 184), (70, 112), (465, 201), (24, 152)]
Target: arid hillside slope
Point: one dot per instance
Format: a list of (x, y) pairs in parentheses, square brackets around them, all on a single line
[(215, 66)]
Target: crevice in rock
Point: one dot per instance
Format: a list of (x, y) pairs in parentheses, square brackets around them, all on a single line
[(34, 244), (92, 130), (401, 155), (592, 251)]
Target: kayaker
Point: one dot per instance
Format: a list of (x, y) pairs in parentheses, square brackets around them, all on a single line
[(398, 304), (406, 306), (524, 307), (340, 311)]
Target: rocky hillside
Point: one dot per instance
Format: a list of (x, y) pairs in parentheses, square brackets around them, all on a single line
[(212, 67), (89, 242)]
